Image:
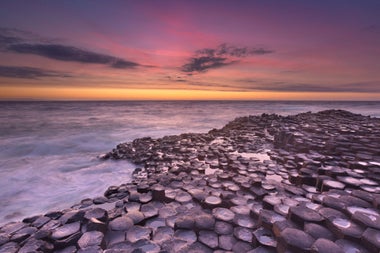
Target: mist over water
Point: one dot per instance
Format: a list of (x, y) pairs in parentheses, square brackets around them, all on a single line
[(48, 150)]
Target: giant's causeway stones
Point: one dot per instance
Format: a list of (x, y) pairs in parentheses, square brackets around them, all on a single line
[(268, 183)]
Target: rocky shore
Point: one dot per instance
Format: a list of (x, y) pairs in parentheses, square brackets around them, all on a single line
[(269, 183)]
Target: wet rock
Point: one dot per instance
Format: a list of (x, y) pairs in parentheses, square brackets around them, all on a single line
[(367, 219), (70, 249), (223, 214), (294, 240), (244, 221), (40, 221), (121, 223), (91, 239), (349, 246), (263, 249), (204, 221), (223, 228), (208, 238), (318, 231), (302, 214), (10, 247), (212, 201), (185, 235), (265, 237), (371, 239), (23, 234), (243, 234), (72, 216), (325, 246), (97, 213), (136, 216), (149, 210), (226, 242), (65, 230), (184, 221), (242, 247), (267, 218), (136, 233), (163, 234), (345, 229)]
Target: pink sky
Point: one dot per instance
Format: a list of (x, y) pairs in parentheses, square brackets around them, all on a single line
[(277, 47)]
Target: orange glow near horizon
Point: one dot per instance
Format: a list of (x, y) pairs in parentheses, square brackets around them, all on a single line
[(70, 93)]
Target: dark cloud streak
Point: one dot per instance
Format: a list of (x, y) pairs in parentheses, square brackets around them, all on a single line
[(29, 72), (69, 53), (224, 55), (16, 41)]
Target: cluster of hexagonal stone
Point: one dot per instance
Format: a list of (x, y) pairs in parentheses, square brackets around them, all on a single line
[(214, 192)]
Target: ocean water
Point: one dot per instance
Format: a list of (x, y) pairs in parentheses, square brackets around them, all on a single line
[(49, 150)]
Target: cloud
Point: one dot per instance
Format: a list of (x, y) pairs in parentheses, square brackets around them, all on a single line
[(21, 42), (69, 53), (308, 87), (203, 63), (29, 73), (223, 55)]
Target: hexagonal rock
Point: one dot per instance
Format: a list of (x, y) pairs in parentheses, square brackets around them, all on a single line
[(371, 239), (65, 230), (163, 234), (265, 237), (184, 221), (120, 224), (345, 229), (368, 219), (263, 249), (204, 221), (208, 238), (350, 246), (332, 184), (318, 231), (325, 246), (267, 218), (244, 221), (186, 235), (183, 197), (243, 234), (144, 245), (223, 228), (136, 233), (242, 247), (89, 239), (223, 214), (9, 247), (294, 240), (226, 242), (135, 216), (97, 213), (212, 201), (301, 214)]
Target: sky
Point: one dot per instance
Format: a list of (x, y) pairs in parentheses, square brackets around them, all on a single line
[(136, 50)]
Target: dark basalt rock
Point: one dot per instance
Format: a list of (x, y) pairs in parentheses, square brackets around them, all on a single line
[(66, 230), (121, 224), (223, 228), (294, 240), (371, 239), (323, 245), (223, 214), (209, 193), (91, 239), (302, 214), (244, 234), (208, 238)]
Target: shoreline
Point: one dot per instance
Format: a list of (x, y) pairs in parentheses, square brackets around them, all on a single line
[(205, 193)]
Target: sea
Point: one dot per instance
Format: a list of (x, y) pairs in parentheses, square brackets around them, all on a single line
[(49, 150)]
